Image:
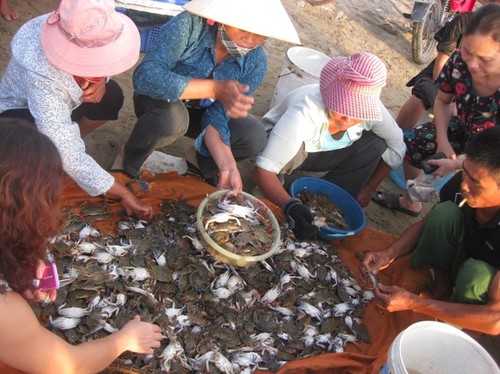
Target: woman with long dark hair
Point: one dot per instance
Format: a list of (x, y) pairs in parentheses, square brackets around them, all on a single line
[(30, 185)]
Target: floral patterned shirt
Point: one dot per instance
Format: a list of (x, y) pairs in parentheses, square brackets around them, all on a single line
[(50, 94), (475, 113)]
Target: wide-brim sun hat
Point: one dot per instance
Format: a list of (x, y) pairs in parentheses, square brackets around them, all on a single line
[(88, 38), (351, 86), (263, 17)]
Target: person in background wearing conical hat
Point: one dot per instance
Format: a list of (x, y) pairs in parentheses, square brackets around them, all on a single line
[(56, 79), (338, 126), (197, 79)]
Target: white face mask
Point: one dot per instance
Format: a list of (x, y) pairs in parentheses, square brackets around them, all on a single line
[(233, 49)]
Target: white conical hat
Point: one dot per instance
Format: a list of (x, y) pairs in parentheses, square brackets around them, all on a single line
[(263, 17)]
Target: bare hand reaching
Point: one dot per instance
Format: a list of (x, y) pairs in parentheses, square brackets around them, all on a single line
[(134, 206), (231, 179), (141, 337), (373, 262)]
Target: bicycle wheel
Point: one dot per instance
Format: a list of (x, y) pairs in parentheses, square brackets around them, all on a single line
[(319, 2), (422, 41)]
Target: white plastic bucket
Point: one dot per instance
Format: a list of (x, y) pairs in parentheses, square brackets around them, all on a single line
[(301, 66), (437, 348)]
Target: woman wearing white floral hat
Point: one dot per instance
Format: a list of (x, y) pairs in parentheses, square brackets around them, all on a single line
[(56, 79), (197, 79), (338, 126)]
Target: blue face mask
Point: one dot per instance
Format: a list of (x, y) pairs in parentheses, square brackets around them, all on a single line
[(233, 49)]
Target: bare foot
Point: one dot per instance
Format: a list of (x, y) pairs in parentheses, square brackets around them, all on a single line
[(7, 12), (407, 203)]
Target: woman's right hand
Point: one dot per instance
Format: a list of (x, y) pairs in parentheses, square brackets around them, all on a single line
[(373, 262), (134, 206), (231, 179), (232, 96), (141, 337)]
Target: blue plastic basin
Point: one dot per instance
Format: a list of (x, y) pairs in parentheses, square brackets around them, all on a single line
[(353, 213), (398, 177)]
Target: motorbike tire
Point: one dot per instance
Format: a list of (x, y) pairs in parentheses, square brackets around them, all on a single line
[(423, 43), (319, 2)]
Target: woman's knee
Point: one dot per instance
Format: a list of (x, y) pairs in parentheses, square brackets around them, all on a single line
[(473, 282), (248, 134), (172, 120), (257, 140)]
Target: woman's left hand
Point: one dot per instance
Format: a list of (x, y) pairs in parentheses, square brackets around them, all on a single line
[(37, 294)]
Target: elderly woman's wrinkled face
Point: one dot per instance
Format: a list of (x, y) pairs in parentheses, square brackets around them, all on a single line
[(481, 53), (339, 122), (244, 39)]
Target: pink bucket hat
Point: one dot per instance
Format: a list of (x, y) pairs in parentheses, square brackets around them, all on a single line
[(351, 86), (88, 38)]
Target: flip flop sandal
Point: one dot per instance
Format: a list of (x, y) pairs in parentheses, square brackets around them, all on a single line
[(391, 201)]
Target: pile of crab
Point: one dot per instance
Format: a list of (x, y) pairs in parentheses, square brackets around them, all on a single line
[(216, 318), (238, 226)]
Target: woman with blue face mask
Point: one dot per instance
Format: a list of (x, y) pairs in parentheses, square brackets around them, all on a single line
[(197, 79)]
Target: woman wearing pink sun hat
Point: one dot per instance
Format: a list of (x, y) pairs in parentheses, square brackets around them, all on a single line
[(338, 126), (56, 79)]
